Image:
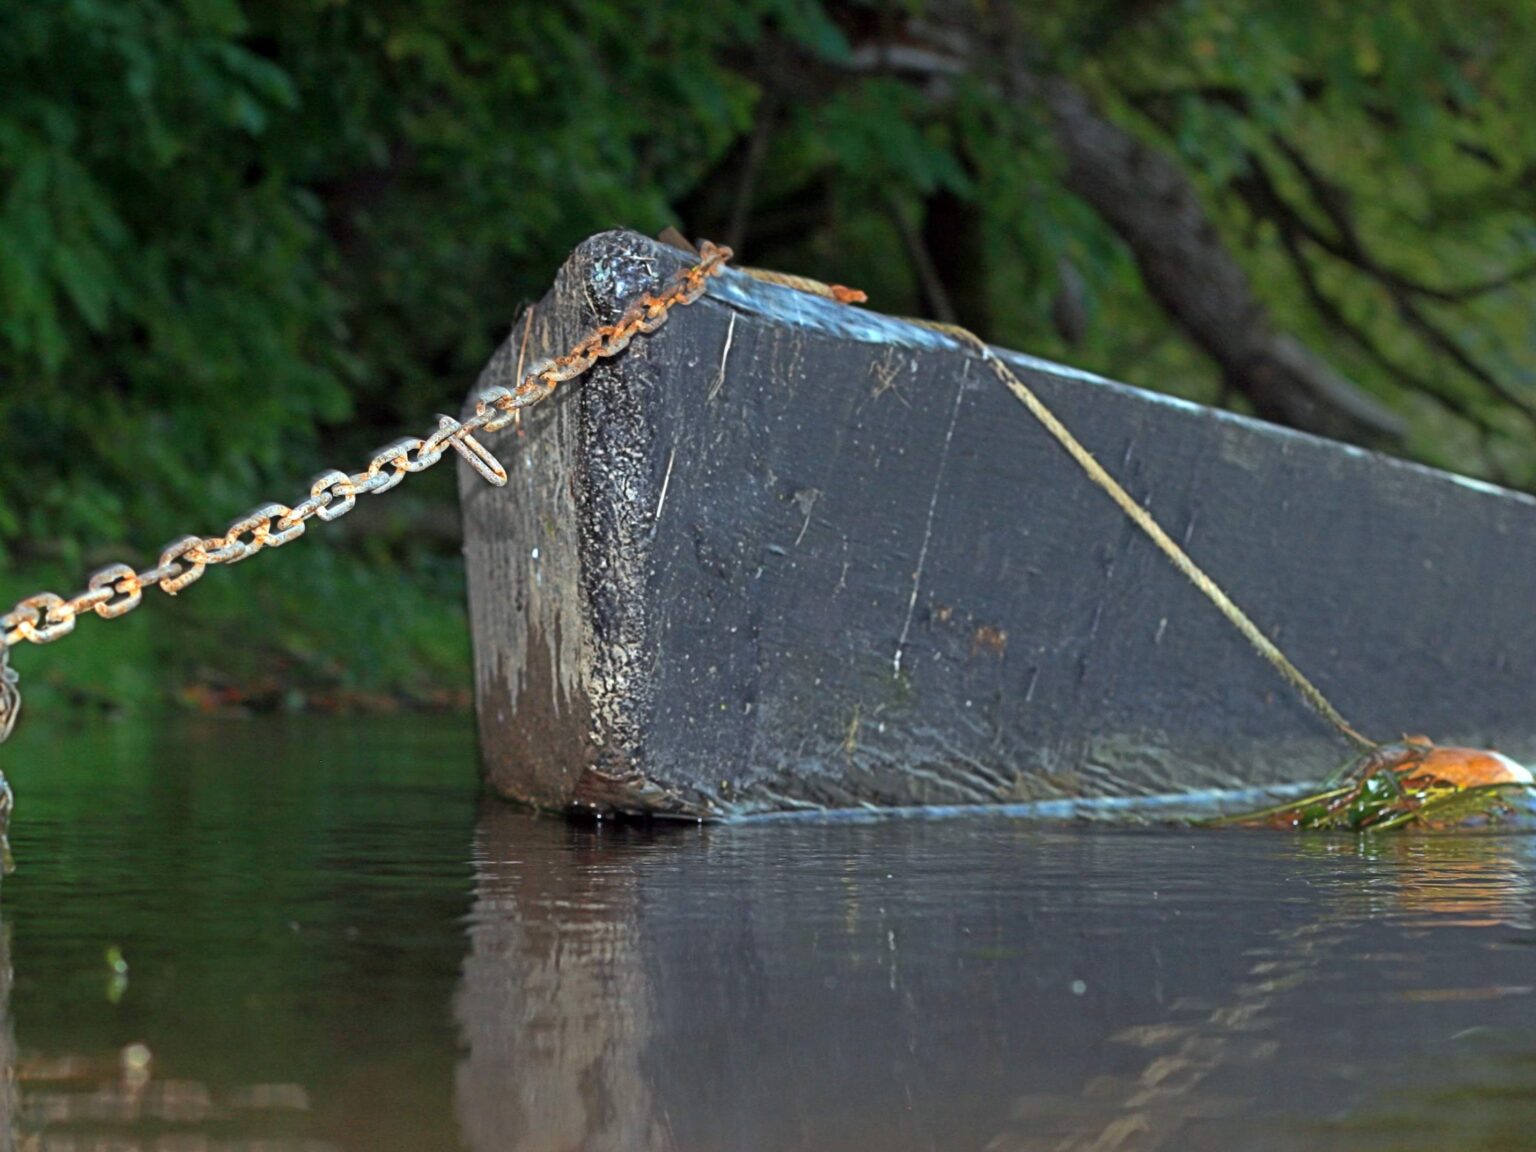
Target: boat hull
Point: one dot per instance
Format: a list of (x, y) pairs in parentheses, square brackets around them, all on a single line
[(789, 554)]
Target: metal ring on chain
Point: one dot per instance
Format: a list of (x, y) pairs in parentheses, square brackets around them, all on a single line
[(118, 589)]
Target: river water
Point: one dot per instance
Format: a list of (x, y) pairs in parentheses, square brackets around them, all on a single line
[(274, 936)]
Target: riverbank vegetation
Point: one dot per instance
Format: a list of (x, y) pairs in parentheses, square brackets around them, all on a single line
[(243, 242)]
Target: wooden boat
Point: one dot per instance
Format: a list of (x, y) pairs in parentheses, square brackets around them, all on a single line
[(789, 554)]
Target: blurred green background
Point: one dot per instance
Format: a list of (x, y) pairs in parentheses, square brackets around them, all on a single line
[(243, 242)]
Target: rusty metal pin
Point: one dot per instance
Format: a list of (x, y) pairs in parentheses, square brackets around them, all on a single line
[(118, 589), (475, 454)]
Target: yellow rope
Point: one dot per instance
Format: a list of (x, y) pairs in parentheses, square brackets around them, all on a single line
[(1170, 548), (116, 590), (805, 284)]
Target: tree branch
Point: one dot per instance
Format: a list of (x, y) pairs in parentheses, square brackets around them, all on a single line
[(930, 283), (1155, 209), (1454, 405), (1349, 247), (752, 163), (1333, 314)]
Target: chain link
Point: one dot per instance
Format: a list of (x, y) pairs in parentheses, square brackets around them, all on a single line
[(118, 589)]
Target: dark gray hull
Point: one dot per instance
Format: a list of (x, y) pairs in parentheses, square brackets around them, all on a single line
[(841, 566)]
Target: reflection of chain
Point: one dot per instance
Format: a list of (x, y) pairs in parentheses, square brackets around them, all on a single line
[(117, 589), (10, 694)]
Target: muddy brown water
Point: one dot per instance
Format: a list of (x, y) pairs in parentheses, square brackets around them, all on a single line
[(315, 935)]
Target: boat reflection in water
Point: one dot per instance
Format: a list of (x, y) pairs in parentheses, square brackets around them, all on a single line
[(334, 950), (979, 984), (555, 1007)]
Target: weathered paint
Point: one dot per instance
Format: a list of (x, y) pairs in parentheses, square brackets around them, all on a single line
[(798, 555)]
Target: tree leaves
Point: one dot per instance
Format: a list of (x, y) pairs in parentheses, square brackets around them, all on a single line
[(227, 230)]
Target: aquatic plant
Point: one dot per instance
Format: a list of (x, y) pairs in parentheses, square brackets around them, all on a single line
[(1412, 784)]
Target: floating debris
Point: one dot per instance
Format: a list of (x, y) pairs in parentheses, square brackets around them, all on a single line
[(1412, 784)]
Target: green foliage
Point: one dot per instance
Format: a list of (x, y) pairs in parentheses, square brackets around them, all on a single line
[(236, 240), (1395, 137), (240, 241)]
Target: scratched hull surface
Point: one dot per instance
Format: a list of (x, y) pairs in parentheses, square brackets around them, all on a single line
[(788, 554)]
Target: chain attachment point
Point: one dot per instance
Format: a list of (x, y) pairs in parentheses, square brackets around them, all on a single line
[(117, 590)]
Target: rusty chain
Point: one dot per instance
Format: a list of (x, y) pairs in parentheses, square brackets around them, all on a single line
[(118, 589)]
